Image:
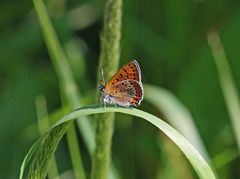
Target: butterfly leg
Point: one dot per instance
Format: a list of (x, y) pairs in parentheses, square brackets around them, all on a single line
[(105, 104), (115, 104), (100, 100)]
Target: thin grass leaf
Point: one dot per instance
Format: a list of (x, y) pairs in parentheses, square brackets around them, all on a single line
[(227, 83), (43, 125), (29, 156), (200, 165)]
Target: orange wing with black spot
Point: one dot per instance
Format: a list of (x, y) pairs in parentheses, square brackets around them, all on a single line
[(130, 91), (130, 71)]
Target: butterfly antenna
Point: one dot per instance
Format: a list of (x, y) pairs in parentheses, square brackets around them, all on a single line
[(103, 80)]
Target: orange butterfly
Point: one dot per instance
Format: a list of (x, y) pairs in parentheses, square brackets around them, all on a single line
[(125, 88)]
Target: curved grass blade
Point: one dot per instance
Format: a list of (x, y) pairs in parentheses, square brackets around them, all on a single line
[(29, 155), (43, 125), (200, 165)]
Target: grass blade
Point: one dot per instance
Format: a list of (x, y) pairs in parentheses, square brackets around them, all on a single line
[(29, 156), (228, 86), (200, 165), (43, 125)]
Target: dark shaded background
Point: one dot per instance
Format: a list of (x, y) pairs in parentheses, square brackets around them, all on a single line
[(167, 37)]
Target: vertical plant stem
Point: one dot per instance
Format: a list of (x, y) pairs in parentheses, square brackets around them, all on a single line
[(228, 86), (109, 59)]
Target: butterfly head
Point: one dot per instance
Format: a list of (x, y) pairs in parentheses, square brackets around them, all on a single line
[(101, 87)]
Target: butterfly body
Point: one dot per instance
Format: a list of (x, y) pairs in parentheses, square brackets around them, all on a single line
[(124, 88)]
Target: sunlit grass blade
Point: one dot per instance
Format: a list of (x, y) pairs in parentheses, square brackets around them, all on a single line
[(43, 125), (176, 113), (29, 156), (200, 165), (227, 83)]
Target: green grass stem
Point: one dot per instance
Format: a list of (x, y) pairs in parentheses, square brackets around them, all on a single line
[(109, 59)]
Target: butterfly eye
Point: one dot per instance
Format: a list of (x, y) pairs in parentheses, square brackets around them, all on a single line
[(101, 87)]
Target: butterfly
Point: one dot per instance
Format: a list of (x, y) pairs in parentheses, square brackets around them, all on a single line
[(125, 88)]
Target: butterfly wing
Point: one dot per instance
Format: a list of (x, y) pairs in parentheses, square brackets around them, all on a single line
[(130, 71), (126, 92)]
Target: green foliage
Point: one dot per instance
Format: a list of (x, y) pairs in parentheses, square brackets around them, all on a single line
[(194, 86)]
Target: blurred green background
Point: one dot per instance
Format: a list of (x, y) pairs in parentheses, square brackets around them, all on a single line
[(169, 40)]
